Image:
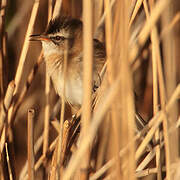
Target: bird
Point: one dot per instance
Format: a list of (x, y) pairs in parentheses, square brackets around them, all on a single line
[(59, 31)]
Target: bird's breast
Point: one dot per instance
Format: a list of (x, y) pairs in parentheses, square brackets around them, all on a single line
[(73, 87), (73, 80)]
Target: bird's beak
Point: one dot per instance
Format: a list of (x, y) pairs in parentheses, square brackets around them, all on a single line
[(39, 37)]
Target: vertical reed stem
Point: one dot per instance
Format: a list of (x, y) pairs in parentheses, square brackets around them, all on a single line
[(87, 78), (31, 158)]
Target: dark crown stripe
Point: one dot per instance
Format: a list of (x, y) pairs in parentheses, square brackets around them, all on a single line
[(55, 25)]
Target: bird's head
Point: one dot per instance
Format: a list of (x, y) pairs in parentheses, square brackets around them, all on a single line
[(60, 31)]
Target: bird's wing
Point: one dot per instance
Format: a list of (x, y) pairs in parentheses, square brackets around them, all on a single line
[(99, 50), (99, 61)]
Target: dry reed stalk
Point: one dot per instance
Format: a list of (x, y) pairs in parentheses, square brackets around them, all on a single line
[(136, 65), (147, 172), (178, 122), (37, 146), (62, 114), (163, 102), (144, 34), (101, 21), (6, 104), (122, 152), (8, 163), (104, 129), (135, 11), (154, 16), (41, 159), (52, 145), (3, 53), (154, 37), (57, 153), (161, 82), (56, 125), (23, 174), (1, 58), (147, 159), (103, 144), (126, 94), (111, 176), (30, 145), (111, 74), (171, 25), (50, 9), (38, 164), (87, 81), (109, 164), (169, 54), (162, 89), (57, 8), (26, 44), (152, 122), (112, 62), (47, 97), (47, 114), (1, 75), (162, 95), (1, 172), (26, 87), (149, 135), (3, 115), (143, 164), (70, 129), (57, 156), (109, 60), (66, 131), (24, 52), (98, 10), (75, 124), (54, 173), (3, 140), (102, 170), (160, 115), (55, 109)]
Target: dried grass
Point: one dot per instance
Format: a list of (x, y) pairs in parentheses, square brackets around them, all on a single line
[(102, 140)]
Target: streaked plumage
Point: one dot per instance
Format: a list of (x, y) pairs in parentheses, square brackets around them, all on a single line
[(53, 40)]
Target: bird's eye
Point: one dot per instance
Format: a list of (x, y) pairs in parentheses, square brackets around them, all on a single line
[(58, 38)]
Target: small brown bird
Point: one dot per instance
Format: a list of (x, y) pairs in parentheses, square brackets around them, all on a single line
[(59, 31)]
